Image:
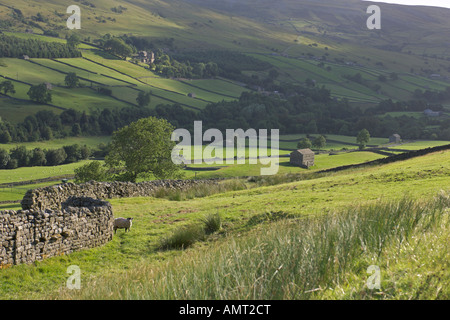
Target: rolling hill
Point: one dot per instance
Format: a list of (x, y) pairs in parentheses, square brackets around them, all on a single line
[(301, 234), (326, 41)]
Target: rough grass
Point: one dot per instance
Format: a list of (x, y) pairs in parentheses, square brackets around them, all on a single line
[(183, 237), (156, 218), (292, 259)]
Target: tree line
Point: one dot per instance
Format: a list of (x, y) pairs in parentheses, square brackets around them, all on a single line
[(295, 109), (20, 156), (13, 47)]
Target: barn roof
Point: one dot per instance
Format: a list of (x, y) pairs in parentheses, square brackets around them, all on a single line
[(305, 151)]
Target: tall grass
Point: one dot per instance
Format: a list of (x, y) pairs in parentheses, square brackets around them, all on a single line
[(183, 237), (289, 259)]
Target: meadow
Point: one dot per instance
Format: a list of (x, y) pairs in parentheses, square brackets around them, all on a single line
[(91, 142), (300, 234), (132, 265), (232, 169)]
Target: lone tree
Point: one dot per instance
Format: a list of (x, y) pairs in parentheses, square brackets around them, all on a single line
[(72, 80), (319, 142), (40, 93), (143, 99), (7, 86), (304, 143), (143, 148), (363, 138)]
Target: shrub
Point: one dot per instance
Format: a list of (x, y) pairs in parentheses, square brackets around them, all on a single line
[(91, 171)]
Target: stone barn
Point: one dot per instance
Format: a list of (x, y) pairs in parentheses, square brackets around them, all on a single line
[(302, 157), (395, 138)]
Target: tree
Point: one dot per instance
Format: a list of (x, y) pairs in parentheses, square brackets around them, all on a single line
[(363, 138), (4, 158), (73, 153), (71, 80), (119, 47), (47, 133), (319, 142), (311, 127), (5, 136), (85, 152), (91, 171), (7, 86), (73, 40), (38, 157), (56, 157), (143, 148), (40, 93), (22, 155), (76, 130), (143, 99), (304, 143)]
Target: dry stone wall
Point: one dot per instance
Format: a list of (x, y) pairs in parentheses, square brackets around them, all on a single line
[(53, 197), (32, 235), (61, 219)]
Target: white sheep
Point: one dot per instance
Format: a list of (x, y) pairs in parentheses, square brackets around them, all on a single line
[(122, 223)]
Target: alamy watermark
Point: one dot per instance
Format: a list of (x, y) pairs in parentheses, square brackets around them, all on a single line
[(74, 21), (235, 141), (374, 281), (374, 21), (74, 280)]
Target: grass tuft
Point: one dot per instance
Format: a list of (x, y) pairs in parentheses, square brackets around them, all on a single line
[(212, 223), (183, 237)]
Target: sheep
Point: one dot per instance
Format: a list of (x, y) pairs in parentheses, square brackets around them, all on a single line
[(122, 223)]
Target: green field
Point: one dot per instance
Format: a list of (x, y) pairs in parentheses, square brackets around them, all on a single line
[(33, 173), (299, 234), (91, 142), (421, 145), (123, 78), (132, 255)]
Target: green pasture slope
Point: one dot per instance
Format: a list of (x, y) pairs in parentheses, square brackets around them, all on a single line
[(299, 68), (97, 69), (204, 170), (132, 267)]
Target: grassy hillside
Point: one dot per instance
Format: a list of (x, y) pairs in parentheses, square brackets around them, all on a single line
[(348, 156), (301, 234), (132, 265), (324, 41)]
